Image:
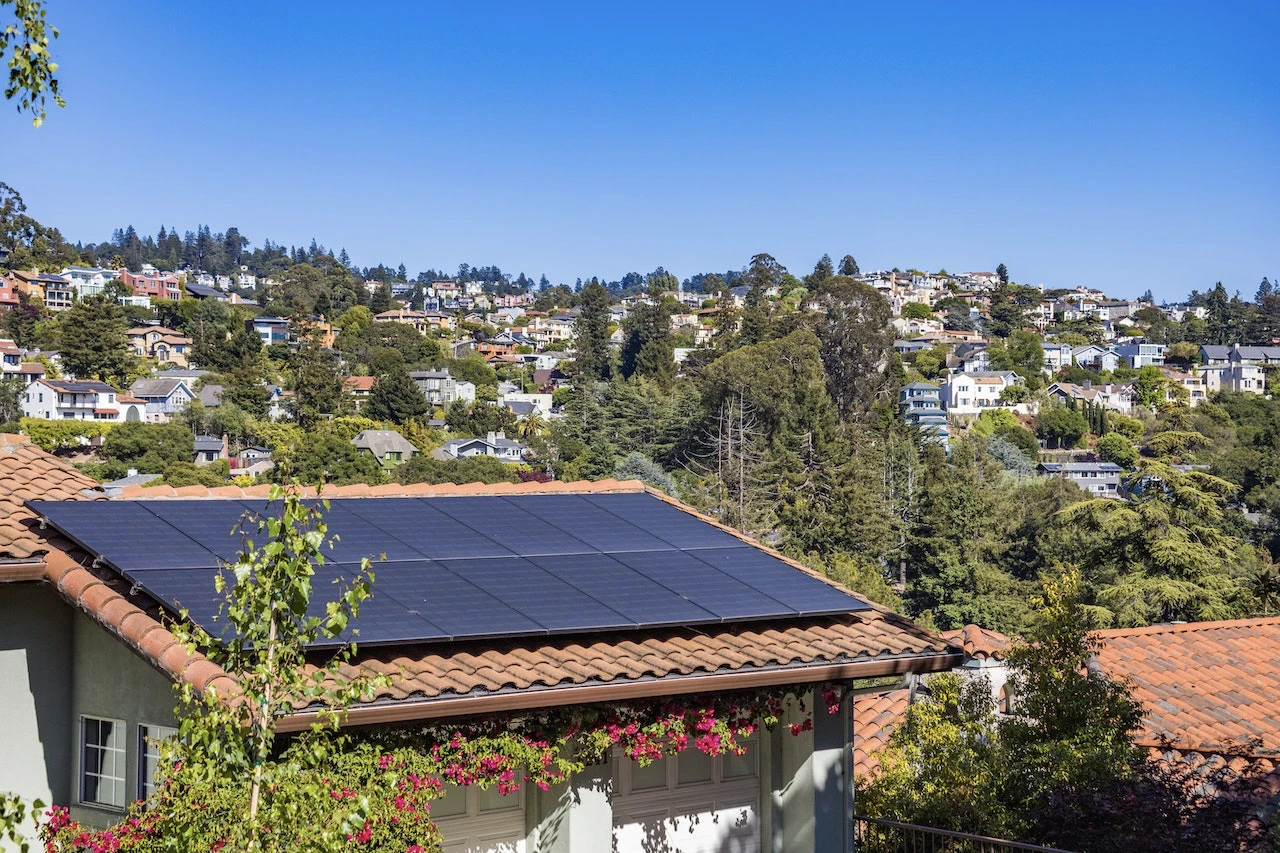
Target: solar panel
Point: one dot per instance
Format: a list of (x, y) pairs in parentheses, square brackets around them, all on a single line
[(470, 567)]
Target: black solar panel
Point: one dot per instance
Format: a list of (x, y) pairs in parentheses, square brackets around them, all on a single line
[(470, 567)]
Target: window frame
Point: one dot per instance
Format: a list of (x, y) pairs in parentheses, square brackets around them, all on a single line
[(148, 752), (122, 755)]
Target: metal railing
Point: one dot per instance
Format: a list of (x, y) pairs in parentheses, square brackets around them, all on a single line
[(874, 835)]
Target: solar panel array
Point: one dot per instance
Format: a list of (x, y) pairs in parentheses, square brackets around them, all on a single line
[(470, 567)]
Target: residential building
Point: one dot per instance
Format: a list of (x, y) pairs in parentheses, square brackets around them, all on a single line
[(208, 449), (1241, 377), (1116, 396), (416, 319), (1192, 382), (10, 358), (8, 294), (88, 281), (59, 294), (1100, 479), (1095, 357), (85, 400), (162, 397), (921, 405), (156, 286), (389, 447), (358, 388), (272, 330), (33, 283), (526, 404), (495, 444), (1236, 354), (164, 345), (973, 357), (548, 331), (1141, 355), (965, 393), (441, 389), (1056, 356)]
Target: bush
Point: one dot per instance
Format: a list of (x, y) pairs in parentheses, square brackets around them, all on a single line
[(1022, 439), (179, 474), (1114, 447), (1010, 456), (637, 466), (1064, 427), (476, 469), (1130, 428)]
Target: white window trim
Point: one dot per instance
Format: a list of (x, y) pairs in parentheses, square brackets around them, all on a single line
[(147, 752)]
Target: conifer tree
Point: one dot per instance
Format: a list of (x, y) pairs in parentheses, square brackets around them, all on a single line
[(396, 398)]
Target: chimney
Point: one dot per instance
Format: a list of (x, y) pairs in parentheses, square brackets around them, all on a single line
[(132, 472), (502, 435), (1088, 385), (493, 437)]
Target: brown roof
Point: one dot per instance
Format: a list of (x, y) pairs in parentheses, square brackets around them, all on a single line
[(875, 716), (979, 643), (28, 473), (359, 383), (1206, 686), (480, 677)]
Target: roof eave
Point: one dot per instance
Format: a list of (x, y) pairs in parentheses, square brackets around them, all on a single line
[(380, 713)]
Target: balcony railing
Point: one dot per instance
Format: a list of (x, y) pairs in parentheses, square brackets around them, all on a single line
[(874, 835)]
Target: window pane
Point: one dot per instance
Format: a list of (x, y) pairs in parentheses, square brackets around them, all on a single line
[(653, 776), (693, 765), (737, 766), (102, 762), (454, 802)]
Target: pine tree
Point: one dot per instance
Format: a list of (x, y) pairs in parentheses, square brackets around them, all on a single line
[(380, 300), (849, 267), (1003, 273), (396, 398), (591, 334), (94, 342)]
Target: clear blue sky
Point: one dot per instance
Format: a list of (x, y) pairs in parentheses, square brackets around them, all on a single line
[(1130, 145)]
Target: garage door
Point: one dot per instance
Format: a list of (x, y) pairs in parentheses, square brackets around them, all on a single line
[(690, 803), (475, 821)]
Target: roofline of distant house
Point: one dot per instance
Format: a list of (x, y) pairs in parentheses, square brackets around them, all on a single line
[(400, 711)]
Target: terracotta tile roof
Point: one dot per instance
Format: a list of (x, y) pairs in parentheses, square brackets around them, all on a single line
[(979, 643), (530, 671), (875, 716), (28, 473), (1206, 686)]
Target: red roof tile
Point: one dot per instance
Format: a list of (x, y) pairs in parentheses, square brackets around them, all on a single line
[(979, 643)]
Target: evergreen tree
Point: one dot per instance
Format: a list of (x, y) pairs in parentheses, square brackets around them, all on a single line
[(855, 332), (648, 350), (849, 267), (396, 398), (380, 300), (591, 334), (94, 342), (1003, 273), (316, 387), (822, 271)]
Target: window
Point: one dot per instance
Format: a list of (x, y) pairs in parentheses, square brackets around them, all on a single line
[(149, 738), (102, 762)]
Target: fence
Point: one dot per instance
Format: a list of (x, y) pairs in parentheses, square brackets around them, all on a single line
[(873, 835)]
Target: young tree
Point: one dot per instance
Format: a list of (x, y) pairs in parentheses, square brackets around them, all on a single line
[(94, 341), (854, 329)]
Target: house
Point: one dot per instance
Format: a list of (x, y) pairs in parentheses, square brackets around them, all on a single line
[(1116, 396), (152, 284), (164, 345), (556, 628), (8, 294), (1240, 377), (495, 444), (1236, 354), (417, 319), (440, 388), (1141, 355), (252, 461), (272, 330), (921, 405), (1056, 356), (208, 449), (964, 393), (971, 357), (1094, 357), (358, 388), (389, 447), (1100, 479), (76, 399), (10, 358), (525, 405), (1192, 382), (162, 397), (88, 281), (1208, 689), (33, 284), (59, 294)]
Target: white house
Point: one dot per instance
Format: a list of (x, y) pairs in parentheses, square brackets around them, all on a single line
[(966, 393), (83, 400), (496, 444), (1245, 378)]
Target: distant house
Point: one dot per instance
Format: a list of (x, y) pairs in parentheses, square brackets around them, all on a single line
[(209, 449), (1100, 479), (154, 285), (416, 319), (272, 330), (1190, 381), (966, 393), (1236, 354), (389, 447), (1241, 377), (1056, 356), (1141, 355), (1116, 396), (84, 400), (358, 388), (1094, 357), (524, 405), (164, 345), (163, 398), (496, 445), (440, 388), (921, 405)]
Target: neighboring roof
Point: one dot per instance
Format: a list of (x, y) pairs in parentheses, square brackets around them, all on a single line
[(1079, 467), (521, 408), (979, 643), (207, 442), (1206, 686), (210, 396), (359, 383), (156, 387), (29, 473), (80, 386), (383, 441), (132, 480), (875, 715)]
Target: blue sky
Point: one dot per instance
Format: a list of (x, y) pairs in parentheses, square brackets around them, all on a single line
[(1128, 145)]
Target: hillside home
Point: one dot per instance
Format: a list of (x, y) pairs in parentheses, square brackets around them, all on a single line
[(84, 400), (8, 294), (358, 388), (416, 319), (1056, 356), (1141, 355), (1094, 357), (154, 285), (1236, 354), (965, 393), (495, 444), (32, 283), (1240, 377), (162, 397), (164, 345), (440, 388), (389, 447), (921, 405), (1116, 396), (1190, 381), (1099, 479)]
